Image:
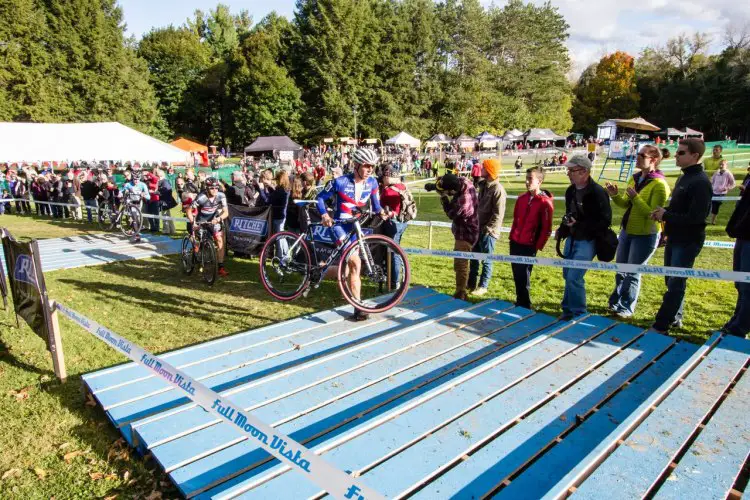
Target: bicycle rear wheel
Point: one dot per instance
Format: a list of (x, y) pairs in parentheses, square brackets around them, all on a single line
[(209, 263), (383, 272), (187, 261), (105, 216), (131, 221), (285, 274)]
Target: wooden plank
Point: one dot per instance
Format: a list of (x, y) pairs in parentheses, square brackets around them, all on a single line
[(711, 465), (574, 449), (411, 457), (498, 374), (182, 358), (388, 357), (301, 342), (371, 386), (241, 372), (501, 457), (648, 451)]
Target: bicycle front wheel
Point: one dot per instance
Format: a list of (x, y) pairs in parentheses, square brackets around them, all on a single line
[(131, 221), (209, 263), (187, 261), (374, 274), (105, 216), (285, 266)]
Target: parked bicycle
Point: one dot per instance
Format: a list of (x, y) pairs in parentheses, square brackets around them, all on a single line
[(198, 248), (290, 265), (128, 216)]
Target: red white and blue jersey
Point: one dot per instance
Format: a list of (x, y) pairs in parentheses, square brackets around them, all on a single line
[(349, 195)]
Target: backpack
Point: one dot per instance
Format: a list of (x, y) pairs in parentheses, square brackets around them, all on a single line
[(408, 206)]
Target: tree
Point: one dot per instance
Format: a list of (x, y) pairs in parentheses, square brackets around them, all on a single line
[(610, 92)]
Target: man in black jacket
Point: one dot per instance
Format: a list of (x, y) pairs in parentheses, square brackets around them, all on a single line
[(236, 192), (685, 228), (89, 190), (739, 227), (588, 215)]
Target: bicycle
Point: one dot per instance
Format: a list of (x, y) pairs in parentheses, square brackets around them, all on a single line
[(288, 269), (198, 247), (128, 216)]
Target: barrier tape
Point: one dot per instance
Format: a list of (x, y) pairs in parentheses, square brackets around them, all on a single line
[(335, 481), (679, 272), (93, 209)]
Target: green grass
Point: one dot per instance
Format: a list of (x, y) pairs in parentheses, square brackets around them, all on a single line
[(53, 444)]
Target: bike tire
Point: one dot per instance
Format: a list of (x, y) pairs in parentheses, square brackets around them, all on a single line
[(104, 216), (390, 301), (131, 221), (187, 259), (266, 265), (209, 262)]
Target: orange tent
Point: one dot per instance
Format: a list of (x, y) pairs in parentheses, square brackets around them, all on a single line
[(188, 145)]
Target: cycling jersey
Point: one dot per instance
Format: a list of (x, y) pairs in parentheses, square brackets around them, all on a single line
[(209, 209), (349, 195), (138, 190)]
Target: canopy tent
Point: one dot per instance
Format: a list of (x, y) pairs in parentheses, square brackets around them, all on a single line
[(689, 132), (608, 130), (513, 135), (272, 144), (440, 139), (188, 145), (671, 132), (487, 140), (465, 142), (542, 134), (404, 139), (30, 142)]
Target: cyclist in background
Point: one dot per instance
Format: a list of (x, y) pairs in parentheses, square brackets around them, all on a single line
[(352, 191), (132, 190), (212, 207)]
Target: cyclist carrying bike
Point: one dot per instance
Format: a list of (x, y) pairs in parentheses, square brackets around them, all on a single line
[(212, 207), (135, 189), (352, 191)]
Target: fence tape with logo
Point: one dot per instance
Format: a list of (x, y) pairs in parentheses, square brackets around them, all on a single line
[(298, 458), (679, 272)]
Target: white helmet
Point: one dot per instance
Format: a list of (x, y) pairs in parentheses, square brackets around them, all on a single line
[(364, 156)]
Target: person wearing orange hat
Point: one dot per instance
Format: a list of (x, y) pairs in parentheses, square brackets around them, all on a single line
[(491, 210)]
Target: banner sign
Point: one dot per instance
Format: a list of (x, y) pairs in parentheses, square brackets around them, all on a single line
[(24, 285), (295, 456), (248, 228)]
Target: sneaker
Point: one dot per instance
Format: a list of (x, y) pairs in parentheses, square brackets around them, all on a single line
[(137, 239), (480, 291), (565, 317), (459, 295), (223, 272), (676, 324), (658, 330), (358, 316), (621, 315)]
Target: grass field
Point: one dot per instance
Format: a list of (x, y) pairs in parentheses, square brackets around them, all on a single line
[(53, 444)]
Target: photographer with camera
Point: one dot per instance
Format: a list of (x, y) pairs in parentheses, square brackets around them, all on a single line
[(459, 200), (587, 215)]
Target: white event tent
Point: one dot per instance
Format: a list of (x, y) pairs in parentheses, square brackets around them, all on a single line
[(404, 139), (32, 142)]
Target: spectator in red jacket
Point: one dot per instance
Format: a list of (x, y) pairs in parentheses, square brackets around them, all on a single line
[(319, 172), (532, 223), (152, 205)]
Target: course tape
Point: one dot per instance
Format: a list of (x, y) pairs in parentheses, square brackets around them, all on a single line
[(679, 272), (335, 481), (94, 209)]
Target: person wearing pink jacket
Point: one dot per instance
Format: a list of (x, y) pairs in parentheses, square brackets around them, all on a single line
[(721, 182)]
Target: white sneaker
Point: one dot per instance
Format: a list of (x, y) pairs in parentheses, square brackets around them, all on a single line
[(480, 291)]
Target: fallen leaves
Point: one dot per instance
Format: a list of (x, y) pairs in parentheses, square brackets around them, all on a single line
[(68, 457), (90, 401), (20, 394), (154, 495), (11, 473), (40, 473)]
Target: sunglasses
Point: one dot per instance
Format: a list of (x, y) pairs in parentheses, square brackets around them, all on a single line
[(680, 153), (576, 170)]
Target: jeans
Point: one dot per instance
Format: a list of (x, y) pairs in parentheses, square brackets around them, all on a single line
[(277, 225), (152, 208), (739, 324), (522, 273), (574, 296), (89, 204), (676, 255), (395, 230), (485, 244), (632, 249)]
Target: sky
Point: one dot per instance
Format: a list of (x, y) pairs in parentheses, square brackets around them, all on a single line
[(597, 27)]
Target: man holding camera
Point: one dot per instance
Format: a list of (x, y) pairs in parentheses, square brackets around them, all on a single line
[(587, 215), (459, 200)]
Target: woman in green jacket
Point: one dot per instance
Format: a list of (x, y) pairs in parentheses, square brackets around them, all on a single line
[(639, 236)]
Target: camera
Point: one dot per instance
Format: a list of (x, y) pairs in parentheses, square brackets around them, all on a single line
[(431, 186), (447, 182), (567, 219)]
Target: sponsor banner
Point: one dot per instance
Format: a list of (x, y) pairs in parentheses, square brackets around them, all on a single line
[(679, 272), (23, 277), (248, 228), (297, 458)]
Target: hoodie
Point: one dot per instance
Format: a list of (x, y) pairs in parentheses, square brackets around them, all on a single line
[(532, 219)]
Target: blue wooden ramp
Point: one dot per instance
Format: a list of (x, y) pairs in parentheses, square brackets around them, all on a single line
[(93, 249), (440, 398)]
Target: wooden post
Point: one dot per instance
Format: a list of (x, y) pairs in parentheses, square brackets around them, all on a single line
[(54, 338), (429, 237)]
